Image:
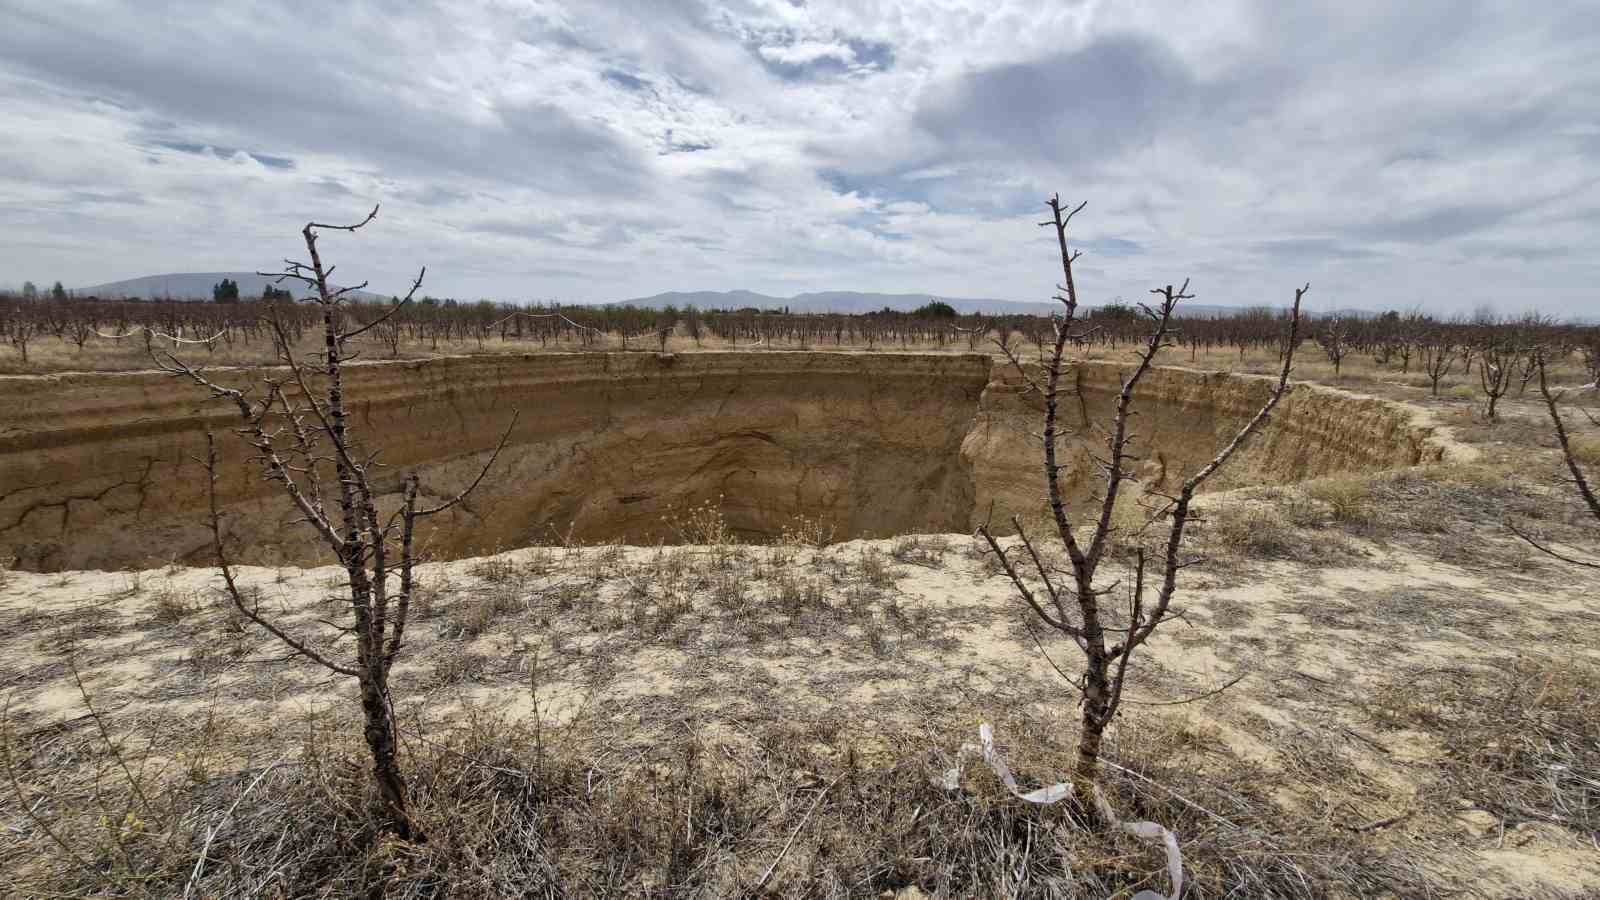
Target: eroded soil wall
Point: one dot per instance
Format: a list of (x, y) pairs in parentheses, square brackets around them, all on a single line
[(101, 470), (1181, 419)]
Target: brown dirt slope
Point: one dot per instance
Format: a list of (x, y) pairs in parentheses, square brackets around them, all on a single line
[(99, 470)]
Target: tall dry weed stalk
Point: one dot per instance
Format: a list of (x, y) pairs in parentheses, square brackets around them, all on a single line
[(1572, 453)]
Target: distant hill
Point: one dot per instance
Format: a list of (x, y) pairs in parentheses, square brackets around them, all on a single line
[(196, 286), (834, 302), (704, 300), (864, 302)]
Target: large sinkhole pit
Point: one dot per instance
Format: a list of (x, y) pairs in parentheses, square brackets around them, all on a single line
[(100, 470)]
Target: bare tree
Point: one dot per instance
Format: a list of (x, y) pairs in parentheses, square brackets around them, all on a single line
[(1005, 334), (298, 428), (390, 331), (1497, 362), (1074, 608), (666, 323), (691, 323), (80, 329), (21, 333), (1589, 346), (1437, 355), (1335, 342), (1410, 335)]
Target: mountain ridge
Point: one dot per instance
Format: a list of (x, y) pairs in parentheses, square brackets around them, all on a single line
[(197, 286), (831, 302)]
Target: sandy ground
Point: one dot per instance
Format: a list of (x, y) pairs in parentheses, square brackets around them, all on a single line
[(1329, 656)]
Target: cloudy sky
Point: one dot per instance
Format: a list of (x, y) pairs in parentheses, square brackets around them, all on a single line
[(1393, 154)]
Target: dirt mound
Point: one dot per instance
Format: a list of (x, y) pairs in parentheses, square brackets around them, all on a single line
[(100, 470)]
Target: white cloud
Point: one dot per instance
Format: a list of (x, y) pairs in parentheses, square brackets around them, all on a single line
[(1429, 154), (802, 53)]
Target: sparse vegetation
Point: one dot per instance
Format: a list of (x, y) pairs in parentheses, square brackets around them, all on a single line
[(476, 613), (519, 799), (1585, 449), (1349, 497), (172, 607), (526, 806), (1518, 739), (1249, 531)]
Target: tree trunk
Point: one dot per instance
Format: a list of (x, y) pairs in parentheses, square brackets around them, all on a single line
[(380, 735), (1095, 699), (1086, 771)]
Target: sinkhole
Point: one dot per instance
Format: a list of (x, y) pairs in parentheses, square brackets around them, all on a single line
[(100, 470)]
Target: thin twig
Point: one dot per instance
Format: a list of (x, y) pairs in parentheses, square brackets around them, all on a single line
[(767, 875), (211, 832)]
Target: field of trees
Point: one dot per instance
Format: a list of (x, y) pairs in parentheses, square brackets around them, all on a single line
[(1493, 355)]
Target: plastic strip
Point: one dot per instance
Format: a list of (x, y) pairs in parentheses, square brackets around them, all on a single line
[(1055, 793)]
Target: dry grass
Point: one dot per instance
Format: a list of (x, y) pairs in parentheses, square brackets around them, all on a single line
[(528, 809), (1349, 497), (495, 569), (172, 607), (699, 795), (1586, 449), (875, 570), (453, 664), (1462, 514), (1249, 531), (477, 613), (1271, 525), (919, 550), (1516, 429), (1518, 735)]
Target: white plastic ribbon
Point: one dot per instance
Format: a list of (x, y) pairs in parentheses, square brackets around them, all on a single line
[(1057, 792)]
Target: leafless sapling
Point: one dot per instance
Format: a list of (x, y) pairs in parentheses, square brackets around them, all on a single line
[(691, 324), (80, 328), (1437, 354), (1497, 363), (21, 333), (391, 332), (1072, 604), (1334, 339), (300, 429), (666, 323), (1589, 346), (1410, 334)]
